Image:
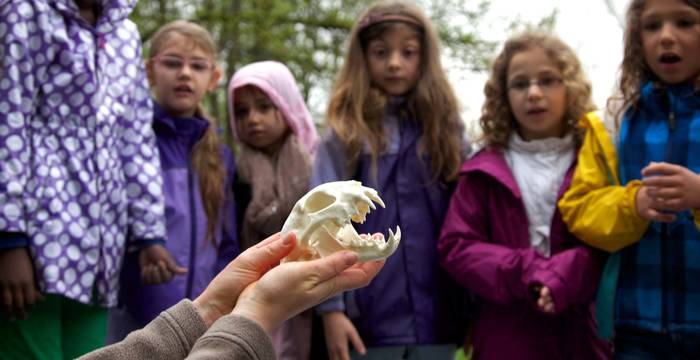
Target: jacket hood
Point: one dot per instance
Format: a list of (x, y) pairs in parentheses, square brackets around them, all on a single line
[(113, 12), (277, 82)]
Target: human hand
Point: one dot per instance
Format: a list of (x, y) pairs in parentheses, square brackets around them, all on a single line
[(17, 286), (646, 207), (545, 302), (157, 265), (672, 187), (339, 330), (222, 293), (293, 287)]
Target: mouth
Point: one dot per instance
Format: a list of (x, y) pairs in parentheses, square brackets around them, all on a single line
[(366, 245), (536, 111), (183, 90), (669, 58)]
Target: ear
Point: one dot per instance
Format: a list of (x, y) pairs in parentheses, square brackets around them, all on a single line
[(150, 72), (214, 79)]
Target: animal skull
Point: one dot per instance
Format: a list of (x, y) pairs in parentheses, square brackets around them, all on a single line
[(321, 222)]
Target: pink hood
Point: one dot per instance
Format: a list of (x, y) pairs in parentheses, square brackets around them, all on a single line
[(277, 82)]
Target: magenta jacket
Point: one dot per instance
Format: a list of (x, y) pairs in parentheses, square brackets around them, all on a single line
[(484, 245)]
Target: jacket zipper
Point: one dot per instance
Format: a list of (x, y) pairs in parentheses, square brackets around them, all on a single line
[(193, 234), (664, 228)]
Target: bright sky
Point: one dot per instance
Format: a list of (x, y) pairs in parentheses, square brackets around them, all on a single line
[(587, 26)]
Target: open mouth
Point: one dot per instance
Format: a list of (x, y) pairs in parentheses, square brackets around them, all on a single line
[(669, 58), (322, 220), (183, 90)]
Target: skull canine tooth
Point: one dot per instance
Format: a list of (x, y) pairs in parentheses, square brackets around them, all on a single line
[(321, 222)]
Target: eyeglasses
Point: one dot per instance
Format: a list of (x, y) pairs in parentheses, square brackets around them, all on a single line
[(174, 63), (546, 84)]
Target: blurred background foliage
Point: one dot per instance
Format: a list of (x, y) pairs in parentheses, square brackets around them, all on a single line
[(308, 36)]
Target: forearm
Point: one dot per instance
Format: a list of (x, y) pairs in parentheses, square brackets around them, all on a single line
[(169, 336), (234, 337)]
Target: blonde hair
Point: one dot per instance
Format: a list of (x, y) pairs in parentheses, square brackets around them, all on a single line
[(207, 159), (356, 108), (634, 71), (497, 120)]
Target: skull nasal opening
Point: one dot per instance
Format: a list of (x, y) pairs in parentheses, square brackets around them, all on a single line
[(318, 201)]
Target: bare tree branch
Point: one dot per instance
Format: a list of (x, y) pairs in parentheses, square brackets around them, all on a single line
[(613, 11)]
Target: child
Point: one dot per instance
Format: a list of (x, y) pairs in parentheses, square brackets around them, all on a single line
[(79, 174), (503, 239), (393, 124), (277, 139), (198, 176), (638, 196)]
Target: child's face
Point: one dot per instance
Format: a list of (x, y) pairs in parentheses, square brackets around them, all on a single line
[(181, 74), (393, 60), (671, 40), (536, 94), (258, 122)]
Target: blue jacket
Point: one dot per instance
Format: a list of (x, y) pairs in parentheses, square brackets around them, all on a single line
[(659, 284), (186, 223), (411, 301)]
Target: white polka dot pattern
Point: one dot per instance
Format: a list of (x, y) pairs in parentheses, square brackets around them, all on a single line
[(77, 159)]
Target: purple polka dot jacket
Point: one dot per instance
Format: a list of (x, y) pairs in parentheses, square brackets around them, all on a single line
[(79, 168)]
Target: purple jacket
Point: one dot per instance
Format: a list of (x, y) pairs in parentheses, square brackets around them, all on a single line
[(411, 301), (78, 160), (186, 223), (485, 246)]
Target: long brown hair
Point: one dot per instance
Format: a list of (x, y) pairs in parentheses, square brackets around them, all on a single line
[(497, 119), (356, 108), (206, 159), (634, 71)]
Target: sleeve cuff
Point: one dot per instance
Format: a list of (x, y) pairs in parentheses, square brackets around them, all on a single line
[(556, 287), (144, 243), (333, 304), (13, 240)]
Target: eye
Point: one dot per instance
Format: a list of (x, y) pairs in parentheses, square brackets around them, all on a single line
[(549, 81), (200, 65), (410, 52), (171, 63), (652, 25), (264, 106), (685, 23), (519, 85), (378, 52), (240, 112)]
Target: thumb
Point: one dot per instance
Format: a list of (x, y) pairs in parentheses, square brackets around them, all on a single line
[(268, 253), (174, 267)]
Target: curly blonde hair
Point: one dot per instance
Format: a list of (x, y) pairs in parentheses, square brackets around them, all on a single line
[(356, 108), (634, 71), (207, 159), (497, 120)]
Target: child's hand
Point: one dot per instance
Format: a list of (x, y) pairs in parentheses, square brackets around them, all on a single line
[(17, 285), (293, 287), (157, 265), (545, 302), (221, 294), (672, 187), (340, 331), (646, 209)]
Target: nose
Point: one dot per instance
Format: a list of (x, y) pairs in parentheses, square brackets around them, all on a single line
[(394, 60), (185, 70), (668, 35), (534, 91)]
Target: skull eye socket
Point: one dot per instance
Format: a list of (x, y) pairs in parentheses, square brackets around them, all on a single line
[(319, 201)]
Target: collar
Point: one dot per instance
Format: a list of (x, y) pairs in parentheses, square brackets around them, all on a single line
[(186, 128)]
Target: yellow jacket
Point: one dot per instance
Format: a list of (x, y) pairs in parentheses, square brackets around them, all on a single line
[(596, 208)]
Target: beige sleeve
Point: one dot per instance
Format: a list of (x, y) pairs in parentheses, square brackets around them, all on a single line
[(234, 337), (169, 336)]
